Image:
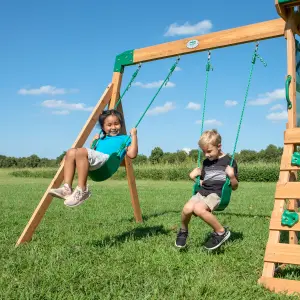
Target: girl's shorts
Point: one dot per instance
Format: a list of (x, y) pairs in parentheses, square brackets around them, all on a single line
[(96, 159)]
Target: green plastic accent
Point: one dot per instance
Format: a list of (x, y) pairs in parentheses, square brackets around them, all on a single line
[(287, 94), (226, 194), (295, 159), (286, 1), (196, 188), (109, 168), (289, 218), (123, 59)]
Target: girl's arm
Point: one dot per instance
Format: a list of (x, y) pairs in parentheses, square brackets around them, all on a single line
[(132, 150), (96, 137)]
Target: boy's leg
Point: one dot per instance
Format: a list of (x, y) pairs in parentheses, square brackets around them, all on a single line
[(204, 210), (186, 215)]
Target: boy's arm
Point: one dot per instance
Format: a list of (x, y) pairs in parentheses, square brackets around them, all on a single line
[(233, 180), (132, 150), (196, 172)]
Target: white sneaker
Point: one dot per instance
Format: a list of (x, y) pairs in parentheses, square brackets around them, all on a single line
[(77, 197), (63, 192)]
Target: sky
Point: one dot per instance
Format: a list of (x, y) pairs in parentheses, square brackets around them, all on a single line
[(57, 58)]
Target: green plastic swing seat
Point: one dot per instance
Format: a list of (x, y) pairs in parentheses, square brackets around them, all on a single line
[(226, 194), (109, 168), (295, 159)]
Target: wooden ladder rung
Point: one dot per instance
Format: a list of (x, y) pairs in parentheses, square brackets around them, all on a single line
[(275, 224), (292, 136), (288, 167), (280, 285), (289, 190), (283, 253)]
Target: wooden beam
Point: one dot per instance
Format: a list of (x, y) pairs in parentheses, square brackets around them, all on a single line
[(225, 38), (290, 190), (280, 285), (58, 178), (292, 136), (275, 224), (283, 253), (117, 80)]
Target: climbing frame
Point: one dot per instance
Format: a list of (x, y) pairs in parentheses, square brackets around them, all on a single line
[(278, 254)]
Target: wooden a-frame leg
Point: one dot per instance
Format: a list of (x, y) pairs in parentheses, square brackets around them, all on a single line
[(117, 80), (58, 178)]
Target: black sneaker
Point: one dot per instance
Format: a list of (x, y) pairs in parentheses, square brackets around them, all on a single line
[(181, 238), (216, 240)]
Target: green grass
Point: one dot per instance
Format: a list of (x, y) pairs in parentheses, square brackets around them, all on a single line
[(97, 251)]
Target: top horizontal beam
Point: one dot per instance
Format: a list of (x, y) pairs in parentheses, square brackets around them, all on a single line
[(225, 38)]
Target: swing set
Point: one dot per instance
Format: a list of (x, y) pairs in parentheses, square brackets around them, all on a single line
[(285, 213)]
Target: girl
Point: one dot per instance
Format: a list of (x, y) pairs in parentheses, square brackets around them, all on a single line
[(85, 159)]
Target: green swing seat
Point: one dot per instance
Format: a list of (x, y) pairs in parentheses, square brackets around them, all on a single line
[(226, 194), (108, 169)]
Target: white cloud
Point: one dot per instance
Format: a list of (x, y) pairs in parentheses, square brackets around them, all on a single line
[(61, 112), (212, 122), (161, 109), (188, 29), (278, 116), (155, 84), (266, 98), (230, 103), (277, 107), (48, 90), (193, 106), (187, 150), (60, 104), (178, 69)]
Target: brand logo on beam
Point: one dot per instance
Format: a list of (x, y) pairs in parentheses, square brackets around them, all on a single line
[(192, 44)]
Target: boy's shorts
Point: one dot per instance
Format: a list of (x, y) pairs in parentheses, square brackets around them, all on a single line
[(212, 200), (96, 159)]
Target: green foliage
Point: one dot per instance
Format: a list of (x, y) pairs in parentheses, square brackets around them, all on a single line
[(259, 172), (156, 155)]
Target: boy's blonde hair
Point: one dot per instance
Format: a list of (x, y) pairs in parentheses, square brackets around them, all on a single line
[(210, 137)]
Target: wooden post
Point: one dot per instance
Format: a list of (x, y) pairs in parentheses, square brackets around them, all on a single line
[(58, 178), (117, 80), (292, 113)]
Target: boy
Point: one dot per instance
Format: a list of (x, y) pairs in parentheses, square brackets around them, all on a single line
[(215, 168)]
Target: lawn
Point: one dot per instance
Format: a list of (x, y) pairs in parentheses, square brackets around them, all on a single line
[(97, 251)]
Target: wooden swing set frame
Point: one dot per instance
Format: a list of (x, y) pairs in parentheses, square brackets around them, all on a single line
[(286, 26)]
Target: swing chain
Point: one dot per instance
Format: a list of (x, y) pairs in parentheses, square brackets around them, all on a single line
[(256, 55), (133, 76), (172, 70)]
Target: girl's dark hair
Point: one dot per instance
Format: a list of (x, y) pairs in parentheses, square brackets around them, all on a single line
[(110, 112)]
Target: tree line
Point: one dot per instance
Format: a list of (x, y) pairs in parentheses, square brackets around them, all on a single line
[(157, 156)]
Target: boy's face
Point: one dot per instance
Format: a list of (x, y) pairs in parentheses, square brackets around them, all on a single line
[(211, 152), (112, 125)]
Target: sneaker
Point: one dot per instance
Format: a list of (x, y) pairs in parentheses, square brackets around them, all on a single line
[(181, 238), (62, 192), (77, 197), (217, 240)]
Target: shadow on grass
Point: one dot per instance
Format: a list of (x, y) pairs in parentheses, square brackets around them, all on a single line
[(245, 215), (286, 270), (155, 215), (135, 234), (235, 236)]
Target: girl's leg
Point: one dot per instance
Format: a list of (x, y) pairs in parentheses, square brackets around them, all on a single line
[(82, 165), (69, 166), (202, 211)]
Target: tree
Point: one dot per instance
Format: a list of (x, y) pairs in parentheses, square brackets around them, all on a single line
[(60, 158), (156, 155), (140, 159), (181, 156)]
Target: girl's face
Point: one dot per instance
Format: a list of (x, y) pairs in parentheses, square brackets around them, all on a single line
[(112, 125)]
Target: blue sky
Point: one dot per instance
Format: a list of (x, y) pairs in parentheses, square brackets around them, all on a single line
[(57, 57)]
